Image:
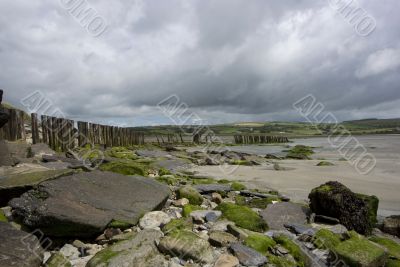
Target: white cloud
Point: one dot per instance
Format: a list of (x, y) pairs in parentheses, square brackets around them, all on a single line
[(380, 62)]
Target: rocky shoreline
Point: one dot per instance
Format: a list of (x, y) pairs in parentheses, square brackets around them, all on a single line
[(142, 207)]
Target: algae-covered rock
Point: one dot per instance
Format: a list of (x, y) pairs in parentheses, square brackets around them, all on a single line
[(301, 258), (236, 186), (177, 225), (140, 250), (325, 164), (195, 198), (15, 185), (356, 212), (325, 239), (259, 242), (359, 251), (2, 216), (187, 245), (248, 256), (125, 167), (392, 246), (300, 152), (243, 217), (187, 209), (58, 260)]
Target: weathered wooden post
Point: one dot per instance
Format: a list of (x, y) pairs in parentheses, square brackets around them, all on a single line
[(35, 128)]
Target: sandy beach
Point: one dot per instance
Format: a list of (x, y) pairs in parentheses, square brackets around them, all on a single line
[(300, 176)]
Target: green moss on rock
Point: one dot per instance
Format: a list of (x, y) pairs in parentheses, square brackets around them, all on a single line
[(187, 209), (236, 186), (300, 152), (325, 239), (359, 251), (58, 260), (194, 197), (243, 217), (2, 216), (279, 261), (325, 163), (177, 225), (259, 203), (163, 171), (125, 167), (119, 224), (372, 205), (392, 247), (121, 153), (293, 249), (259, 242)]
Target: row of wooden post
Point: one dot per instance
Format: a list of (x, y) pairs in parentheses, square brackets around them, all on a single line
[(14, 129), (61, 134), (170, 139), (259, 139)]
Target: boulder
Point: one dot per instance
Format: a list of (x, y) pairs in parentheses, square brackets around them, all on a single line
[(191, 194), (248, 256), (140, 250), (355, 211), (226, 260), (18, 248), (6, 158), (84, 204), (221, 239), (58, 260), (154, 219), (14, 185), (391, 225), (187, 245), (279, 214)]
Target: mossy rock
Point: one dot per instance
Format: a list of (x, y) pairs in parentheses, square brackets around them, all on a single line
[(392, 263), (243, 217), (194, 197), (325, 239), (300, 152), (163, 171), (187, 209), (236, 186), (241, 162), (359, 251), (125, 167), (259, 203), (325, 163), (177, 225), (372, 205), (121, 153), (392, 247), (168, 179), (294, 250), (259, 242), (279, 261), (224, 181), (2, 216), (58, 260)]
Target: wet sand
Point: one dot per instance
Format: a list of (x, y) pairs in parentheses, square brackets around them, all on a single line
[(303, 175)]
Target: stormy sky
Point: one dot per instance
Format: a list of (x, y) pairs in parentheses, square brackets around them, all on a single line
[(227, 60)]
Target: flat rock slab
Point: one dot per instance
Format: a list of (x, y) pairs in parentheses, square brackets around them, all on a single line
[(248, 256), (18, 248), (279, 214), (211, 188), (14, 185), (84, 204)]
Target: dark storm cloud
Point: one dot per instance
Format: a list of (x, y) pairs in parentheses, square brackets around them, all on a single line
[(229, 60)]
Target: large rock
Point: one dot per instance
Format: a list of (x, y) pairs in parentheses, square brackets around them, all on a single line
[(187, 245), (6, 158), (355, 211), (211, 188), (18, 248), (248, 256), (391, 225), (280, 214), (14, 185), (140, 250), (84, 204)]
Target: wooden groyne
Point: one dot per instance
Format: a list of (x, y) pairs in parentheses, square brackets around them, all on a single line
[(14, 129), (259, 139)]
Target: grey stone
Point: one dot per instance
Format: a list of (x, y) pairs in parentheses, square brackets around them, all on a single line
[(208, 215), (140, 250), (300, 229), (18, 248), (248, 256), (84, 204), (279, 214), (154, 220), (391, 225), (221, 239)]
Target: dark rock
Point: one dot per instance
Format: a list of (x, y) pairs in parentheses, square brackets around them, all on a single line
[(14, 185), (326, 219), (56, 158), (279, 214), (18, 248), (41, 149), (300, 229), (355, 211), (211, 188), (391, 225), (4, 117), (248, 256), (84, 204)]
